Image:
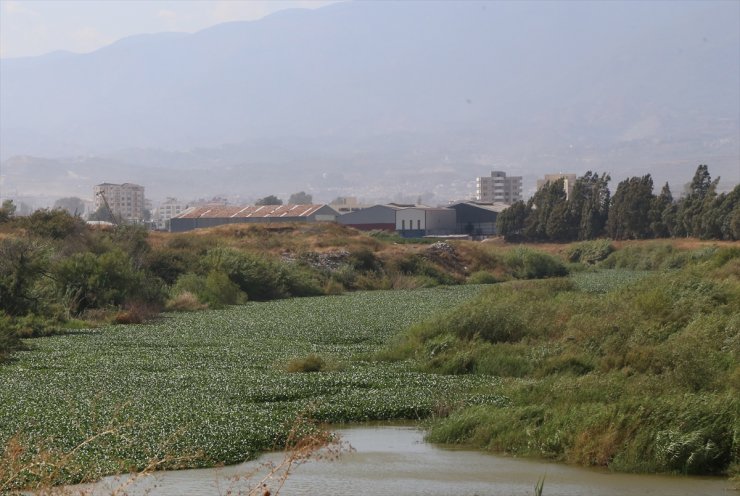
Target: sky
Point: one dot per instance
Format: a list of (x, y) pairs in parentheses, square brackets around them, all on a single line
[(36, 27)]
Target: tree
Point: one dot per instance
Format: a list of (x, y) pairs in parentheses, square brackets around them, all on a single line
[(589, 206), (102, 214), (510, 222), (662, 217), (71, 204), (300, 198), (541, 206), (7, 211), (628, 213), (701, 192), (269, 200)]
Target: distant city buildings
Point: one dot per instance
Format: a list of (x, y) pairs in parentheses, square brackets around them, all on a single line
[(126, 201), (169, 208), (568, 181), (497, 188)]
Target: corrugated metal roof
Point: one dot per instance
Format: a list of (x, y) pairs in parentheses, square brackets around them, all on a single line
[(241, 211)]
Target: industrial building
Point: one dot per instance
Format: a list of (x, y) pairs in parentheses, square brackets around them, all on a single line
[(216, 215), (477, 219)]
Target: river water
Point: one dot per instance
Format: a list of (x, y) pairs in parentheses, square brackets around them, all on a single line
[(395, 461)]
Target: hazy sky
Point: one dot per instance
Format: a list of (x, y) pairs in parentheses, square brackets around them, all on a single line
[(35, 27)]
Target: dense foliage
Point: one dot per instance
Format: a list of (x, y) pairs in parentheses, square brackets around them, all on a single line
[(633, 212), (220, 386), (626, 368)]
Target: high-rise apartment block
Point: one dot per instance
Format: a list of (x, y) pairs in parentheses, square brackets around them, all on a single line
[(568, 181), (498, 188), (126, 201)]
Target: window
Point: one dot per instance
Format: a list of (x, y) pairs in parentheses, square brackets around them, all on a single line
[(403, 225), (418, 224)]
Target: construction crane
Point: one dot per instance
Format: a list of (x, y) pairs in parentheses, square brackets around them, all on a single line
[(107, 207)]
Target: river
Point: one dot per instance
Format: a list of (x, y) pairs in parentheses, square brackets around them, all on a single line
[(395, 460)]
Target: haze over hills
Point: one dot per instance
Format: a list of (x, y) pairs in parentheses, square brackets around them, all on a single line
[(379, 99)]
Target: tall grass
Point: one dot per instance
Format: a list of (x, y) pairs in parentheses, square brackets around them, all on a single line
[(640, 375)]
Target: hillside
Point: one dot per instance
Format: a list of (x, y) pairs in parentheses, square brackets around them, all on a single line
[(377, 98)]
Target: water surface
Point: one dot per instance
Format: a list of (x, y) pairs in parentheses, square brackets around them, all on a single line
[(395, 461)]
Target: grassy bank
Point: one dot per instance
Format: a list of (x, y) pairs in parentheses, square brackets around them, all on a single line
[(212, 387), (625, 368)]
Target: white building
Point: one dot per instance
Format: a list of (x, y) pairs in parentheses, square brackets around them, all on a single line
[(126, 201), (420, 221), (498, 188), (166, 210)]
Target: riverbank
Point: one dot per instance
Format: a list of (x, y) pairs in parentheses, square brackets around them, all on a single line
[(392, 460)]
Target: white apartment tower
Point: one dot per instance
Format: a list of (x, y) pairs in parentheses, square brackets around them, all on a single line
[(498, 188), (126, 200)]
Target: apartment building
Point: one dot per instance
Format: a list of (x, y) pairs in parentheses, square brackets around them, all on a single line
[(497, 188), (568, 181), (166, 210), (126, 201)]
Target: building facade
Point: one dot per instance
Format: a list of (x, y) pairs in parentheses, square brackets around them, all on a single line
[(166, 210), (568, 181), (126, 201), (497, 188), (217, 215)]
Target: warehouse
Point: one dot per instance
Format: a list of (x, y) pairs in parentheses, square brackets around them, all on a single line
[(216, 215)]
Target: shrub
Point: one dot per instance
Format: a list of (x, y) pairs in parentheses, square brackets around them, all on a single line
[(529, 264), (590, 252), (215, 289), (96, 281), (482, 277), (184, 302), (310, 363)]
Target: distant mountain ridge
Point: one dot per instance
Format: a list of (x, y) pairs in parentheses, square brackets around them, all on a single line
[(403, 87)]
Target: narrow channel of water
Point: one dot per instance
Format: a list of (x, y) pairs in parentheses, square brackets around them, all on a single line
[(396, 461)]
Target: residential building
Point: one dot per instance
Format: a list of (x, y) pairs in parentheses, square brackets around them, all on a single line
[(126, 201), (498, 188), (568, 181), (216, 215), (345, 204), (166, 210)]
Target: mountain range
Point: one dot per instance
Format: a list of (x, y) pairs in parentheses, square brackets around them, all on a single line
[(383, 100)]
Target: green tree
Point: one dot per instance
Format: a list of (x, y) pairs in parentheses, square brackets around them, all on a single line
[(510, 222), (22, 263), (541, 206), (7, 211), (300, 198), (662, 217), (589, 206), (269, 200), (700, 194), (630, 206)]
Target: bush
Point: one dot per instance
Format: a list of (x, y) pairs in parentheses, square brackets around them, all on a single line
[(310, 363), (590, 252), (482, 277), (184, 302), (529, 264), (215, 290), (95, 281)]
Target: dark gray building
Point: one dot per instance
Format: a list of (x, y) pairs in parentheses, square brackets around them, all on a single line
[(476, 218)]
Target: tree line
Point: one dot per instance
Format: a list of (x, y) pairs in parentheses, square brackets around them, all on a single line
[(632, 212)]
